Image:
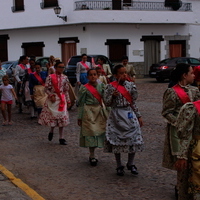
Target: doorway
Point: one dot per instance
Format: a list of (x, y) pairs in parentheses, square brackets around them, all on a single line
[(177, 48), (151, 51)]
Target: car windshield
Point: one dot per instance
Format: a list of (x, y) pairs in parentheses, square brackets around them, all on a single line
[(194, 61), (165, 61), (6, 65), (75, 60)]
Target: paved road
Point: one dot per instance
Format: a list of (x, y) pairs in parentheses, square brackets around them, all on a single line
[(63, 173)]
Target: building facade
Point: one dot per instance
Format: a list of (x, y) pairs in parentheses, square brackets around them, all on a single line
[(144, 31)]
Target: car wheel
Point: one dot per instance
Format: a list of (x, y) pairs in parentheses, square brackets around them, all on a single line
[(160, 79)]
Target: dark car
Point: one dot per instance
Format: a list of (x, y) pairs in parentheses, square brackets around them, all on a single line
[(43, 61), (163, 69), (71, 66), (9, 67)]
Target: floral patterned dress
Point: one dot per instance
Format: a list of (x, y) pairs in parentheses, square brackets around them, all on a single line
[(188, 127), (171, 107), (123, 133), (50, 115)]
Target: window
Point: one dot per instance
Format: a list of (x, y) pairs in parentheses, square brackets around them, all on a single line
[(33, 49), (18, 5), (4, 47), (49, 3), (117, 49)]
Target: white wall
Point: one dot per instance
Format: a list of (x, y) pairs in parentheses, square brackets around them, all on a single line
[(94, 38)]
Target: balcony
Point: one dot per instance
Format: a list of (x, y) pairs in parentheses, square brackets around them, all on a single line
[(134, 5)]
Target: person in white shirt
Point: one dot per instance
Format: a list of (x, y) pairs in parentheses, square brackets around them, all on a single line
[(6, 99)]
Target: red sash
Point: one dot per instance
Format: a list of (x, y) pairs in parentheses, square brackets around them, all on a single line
[(94, 92), (183, 96), (102, 70), (22, 66), (57, 90), (123, 91), (84, 64), (39, 78), (197, 106), (29, 71)]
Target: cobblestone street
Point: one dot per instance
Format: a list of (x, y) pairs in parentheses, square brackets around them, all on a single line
[(59, 172)]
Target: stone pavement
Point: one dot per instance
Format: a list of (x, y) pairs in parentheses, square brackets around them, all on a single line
[(59, 172)]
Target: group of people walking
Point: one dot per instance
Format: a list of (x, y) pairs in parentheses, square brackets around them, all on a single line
[(108, 115)]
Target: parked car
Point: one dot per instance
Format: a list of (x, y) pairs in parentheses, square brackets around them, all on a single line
[(163, 69), (71, 66), (43, 61), (9, 67)]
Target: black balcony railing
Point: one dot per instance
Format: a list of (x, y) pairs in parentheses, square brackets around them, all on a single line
[(135, 5)]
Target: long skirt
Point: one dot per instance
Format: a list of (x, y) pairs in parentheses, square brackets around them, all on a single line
[(93, 126), (39, 96), (51, 116), (123, 133)]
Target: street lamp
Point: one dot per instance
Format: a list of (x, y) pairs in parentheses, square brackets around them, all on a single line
[(57, 11)]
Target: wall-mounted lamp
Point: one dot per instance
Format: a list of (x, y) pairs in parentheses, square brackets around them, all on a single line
[(57, 11)]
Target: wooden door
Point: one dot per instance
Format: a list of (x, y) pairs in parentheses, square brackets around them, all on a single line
[(68, 50)]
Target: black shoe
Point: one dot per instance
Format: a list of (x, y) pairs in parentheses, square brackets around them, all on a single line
[(62, 141), (120, 171), (93, 161), (133, 169), (50, 136)]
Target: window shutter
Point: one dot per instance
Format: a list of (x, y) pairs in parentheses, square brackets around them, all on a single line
[(19, 5), (50, 3)]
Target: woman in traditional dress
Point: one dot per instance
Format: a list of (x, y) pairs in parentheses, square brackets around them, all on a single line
[(188, 128), (37, 87), (26, 90), (130, 69), (123, 133), (81, 70), (50, 65), (19, 74), (92, 115), (55, 111), (174, 98)]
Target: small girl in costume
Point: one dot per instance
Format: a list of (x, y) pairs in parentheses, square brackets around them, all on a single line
[(55, 111), (6, 99), (123, 133), (92, 115)]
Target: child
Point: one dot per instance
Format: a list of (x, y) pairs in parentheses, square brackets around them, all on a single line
[(55, 111), (173, 99), (101, 78), (6, 99), (188, 162), (91, 115), (123, 132)]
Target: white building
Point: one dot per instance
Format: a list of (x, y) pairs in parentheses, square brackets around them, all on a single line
[(145, 31)]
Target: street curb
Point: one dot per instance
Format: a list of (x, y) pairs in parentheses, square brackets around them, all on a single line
[(20, 184)]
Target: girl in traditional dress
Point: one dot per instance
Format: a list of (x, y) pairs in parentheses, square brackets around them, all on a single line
[(123, 133), (6, 99), (188, 128), (174, 98), (37, 87), (92, 115), (55, 111), (81, 70)]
